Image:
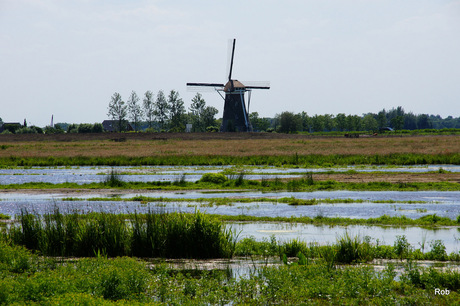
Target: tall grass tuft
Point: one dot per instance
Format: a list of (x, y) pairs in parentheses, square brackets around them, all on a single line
[(179, 235), (113, 179), (171, 235), (353, 249)]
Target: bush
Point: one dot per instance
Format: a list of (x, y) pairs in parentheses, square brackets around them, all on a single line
[(97, 128), (215, 178), (85, 128)]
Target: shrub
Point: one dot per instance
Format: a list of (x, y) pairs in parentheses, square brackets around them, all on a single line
[(215, 178), (402, 247), (438, 250)]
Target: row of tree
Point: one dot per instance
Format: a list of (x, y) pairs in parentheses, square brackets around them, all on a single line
[(161, 113), (395, 118)]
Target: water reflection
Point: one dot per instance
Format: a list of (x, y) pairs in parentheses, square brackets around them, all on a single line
[(86, 175)]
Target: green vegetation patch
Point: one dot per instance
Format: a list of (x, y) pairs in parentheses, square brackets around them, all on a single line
[(240, 183), (428, 221), (156, 234), (127, 281), (220, 160)]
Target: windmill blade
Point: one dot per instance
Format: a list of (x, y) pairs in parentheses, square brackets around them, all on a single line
[(231, 56), (206, 84), (204, 87), (256, 84)]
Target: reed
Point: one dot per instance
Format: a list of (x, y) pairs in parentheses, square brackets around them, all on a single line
[(156, 234)]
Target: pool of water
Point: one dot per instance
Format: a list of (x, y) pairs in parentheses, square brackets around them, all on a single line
[(323, 235), (441, 203), (85, 175)]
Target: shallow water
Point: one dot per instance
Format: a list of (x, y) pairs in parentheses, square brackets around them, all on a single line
[(86, 175), (445, 204), (328, 234)]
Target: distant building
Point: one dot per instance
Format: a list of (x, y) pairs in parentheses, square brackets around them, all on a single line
[(112, 125), (10, 126)]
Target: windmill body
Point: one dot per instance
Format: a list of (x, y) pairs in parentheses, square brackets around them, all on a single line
[(235, 117)]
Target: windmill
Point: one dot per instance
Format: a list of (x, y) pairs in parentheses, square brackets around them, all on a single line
[(235, 118)]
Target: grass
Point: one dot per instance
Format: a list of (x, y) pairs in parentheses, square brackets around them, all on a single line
[(156, 234), (128, 281), (303, 184), (347, 250), (428, 220), (307, 160)]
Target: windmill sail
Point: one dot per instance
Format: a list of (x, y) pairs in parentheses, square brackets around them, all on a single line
[(235, 118)]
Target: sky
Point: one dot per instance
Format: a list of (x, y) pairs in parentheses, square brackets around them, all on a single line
[(67, 58)]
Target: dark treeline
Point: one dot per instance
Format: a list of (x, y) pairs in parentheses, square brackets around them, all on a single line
[(394, 119), (167, 113)]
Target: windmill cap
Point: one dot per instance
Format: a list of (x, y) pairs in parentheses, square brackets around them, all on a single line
[(236, 84)]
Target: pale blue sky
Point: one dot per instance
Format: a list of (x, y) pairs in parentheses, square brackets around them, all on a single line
[(67, 58)]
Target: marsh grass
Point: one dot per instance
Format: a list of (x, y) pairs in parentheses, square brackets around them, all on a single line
[(428, 221), (113, 179), (156, 234), (128, 281)]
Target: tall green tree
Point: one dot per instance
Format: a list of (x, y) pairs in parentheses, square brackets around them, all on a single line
[(370, 123), (382, 119), (289, 123), (176, 112), (354, 123), (317, 122), (329, 122), (118, 111), (135, 110), (341, 121), (397, 122), (208, 117), (410, 121), (149, 107), (306, 121), (196, 110), (161, 110), (258, 124), (424, 122)]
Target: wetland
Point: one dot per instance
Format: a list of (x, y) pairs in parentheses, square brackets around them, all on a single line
[(383, 220)]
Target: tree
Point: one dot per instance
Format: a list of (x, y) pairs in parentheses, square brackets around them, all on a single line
[(341, 121), (370, 123), (117, 111), (317, 122), (397, 122), (196, 110), (161, 110), (208, 117), (410, 121), (424, 122), (382, 119), (258, 124), (306, 121), (135, 110), (149, 107), (289, 123), (353, 123), (329, 122), (176, 112)]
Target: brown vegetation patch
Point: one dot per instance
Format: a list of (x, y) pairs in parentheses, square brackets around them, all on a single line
[(226, 144)]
